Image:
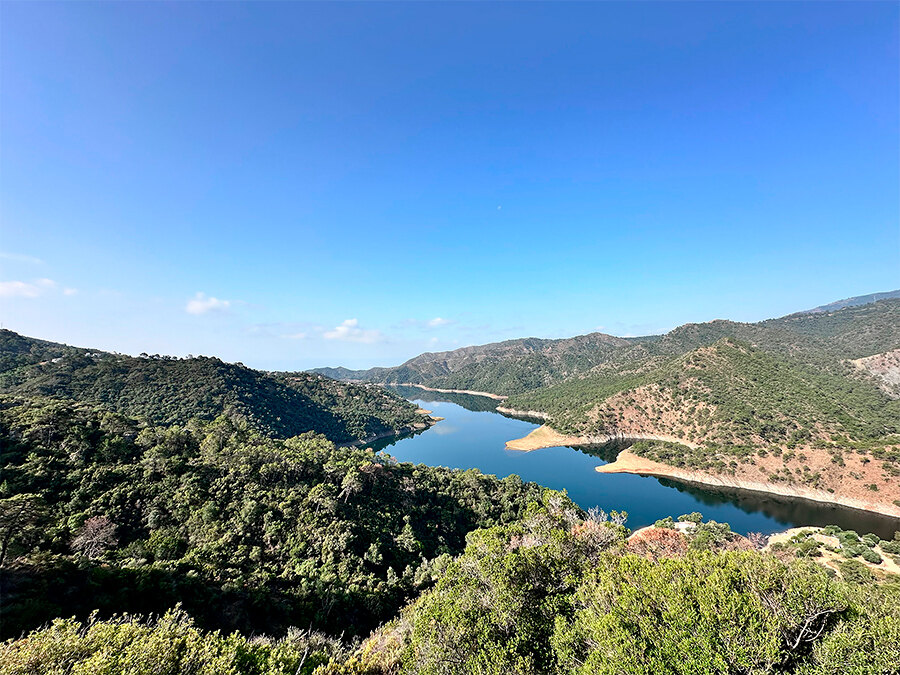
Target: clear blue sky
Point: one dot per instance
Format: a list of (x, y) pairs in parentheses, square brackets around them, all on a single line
[(292, 185)]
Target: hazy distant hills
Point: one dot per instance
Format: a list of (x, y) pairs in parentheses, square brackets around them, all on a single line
[(166, 390), (854, 301), (516, 366)]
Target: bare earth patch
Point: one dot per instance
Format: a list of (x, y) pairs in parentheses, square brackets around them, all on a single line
[(754, 477)]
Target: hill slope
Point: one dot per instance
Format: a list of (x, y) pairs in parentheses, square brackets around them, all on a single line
[(823, 338), (174, 391)]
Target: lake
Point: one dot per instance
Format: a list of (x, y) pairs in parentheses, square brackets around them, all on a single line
[(473, 435)]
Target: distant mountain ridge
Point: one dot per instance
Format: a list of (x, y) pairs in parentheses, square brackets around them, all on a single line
[(853, 302), (527, 364)]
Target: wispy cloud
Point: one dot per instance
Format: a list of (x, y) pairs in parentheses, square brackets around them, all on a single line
[(437, 322), (295, 336), (203, 304), (25, 289), (350, 331), (20, 257)]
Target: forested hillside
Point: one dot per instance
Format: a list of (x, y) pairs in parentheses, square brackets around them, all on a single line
[(556, 591), (502, 368), (167, 390), (245, 531), (823, 339)]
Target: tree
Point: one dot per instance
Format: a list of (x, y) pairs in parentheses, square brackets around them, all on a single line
[(96, 536), (19, 517)]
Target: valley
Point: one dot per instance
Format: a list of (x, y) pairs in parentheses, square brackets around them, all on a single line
[(805, 405)]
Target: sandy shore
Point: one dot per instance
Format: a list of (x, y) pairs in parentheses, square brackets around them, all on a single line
[(543, 437), (496, 397), (628, 462), (547, 437), (523, 413)]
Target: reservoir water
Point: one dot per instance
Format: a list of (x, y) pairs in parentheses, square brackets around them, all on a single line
[(473, 435)]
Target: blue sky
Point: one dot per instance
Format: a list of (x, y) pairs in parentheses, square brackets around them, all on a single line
[(292, 185)]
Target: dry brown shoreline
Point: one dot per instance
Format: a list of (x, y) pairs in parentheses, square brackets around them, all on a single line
[(628, 462), (496, 397), (547, 437)]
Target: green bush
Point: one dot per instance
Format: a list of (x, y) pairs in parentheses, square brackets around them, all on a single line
[(855, 572), (871, 556), (171, 645)]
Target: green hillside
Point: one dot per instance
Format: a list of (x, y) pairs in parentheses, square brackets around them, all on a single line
[(167, 390), (730, 392), (101, 511), (823, 339)]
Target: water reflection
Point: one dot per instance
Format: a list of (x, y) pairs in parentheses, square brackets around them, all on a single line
[(474, 436)]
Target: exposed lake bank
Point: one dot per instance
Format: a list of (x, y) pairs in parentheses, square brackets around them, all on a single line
[(547, 437), (628, 462), (496, 397)]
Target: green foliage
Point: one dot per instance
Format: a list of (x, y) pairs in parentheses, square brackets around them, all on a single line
[(871, 556), (552, 606), (853, 571), (171, 645), (695, 517), (890, 546), (752, 396), (166, 390), (249, 532), (515, 367)]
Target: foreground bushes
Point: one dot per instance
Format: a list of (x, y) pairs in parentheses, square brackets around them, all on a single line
[(172, 645), (552, 593), (538, 598)]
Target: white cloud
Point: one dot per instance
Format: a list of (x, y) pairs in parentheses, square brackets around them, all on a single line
[(19, 257), (70, 291), (438, 321), (201, 304), (24, 289), (349, 331)]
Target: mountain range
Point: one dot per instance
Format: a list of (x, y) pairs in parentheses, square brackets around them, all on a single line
[(806, 400)]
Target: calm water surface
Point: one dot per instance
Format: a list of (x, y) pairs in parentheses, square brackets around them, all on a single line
[(474, 436)]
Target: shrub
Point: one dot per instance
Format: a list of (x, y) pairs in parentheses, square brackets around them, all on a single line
[(871, 556), (890, 546), (855, 572)]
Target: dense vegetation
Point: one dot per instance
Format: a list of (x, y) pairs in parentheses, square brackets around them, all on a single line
[(246, 531), (554, 592), (181, 510), (167, 390), (733, 393)]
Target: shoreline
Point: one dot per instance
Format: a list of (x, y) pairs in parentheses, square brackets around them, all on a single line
[(390, 434), (547, 437), (512, 412), (628, 462), (496, 397)]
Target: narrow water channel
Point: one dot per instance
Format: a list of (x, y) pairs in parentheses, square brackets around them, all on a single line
[(473, 435)]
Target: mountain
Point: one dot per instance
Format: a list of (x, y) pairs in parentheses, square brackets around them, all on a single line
[(809, 399), (824, 339), (341, 373), (853, 302), (166, 390), (503, 367)]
